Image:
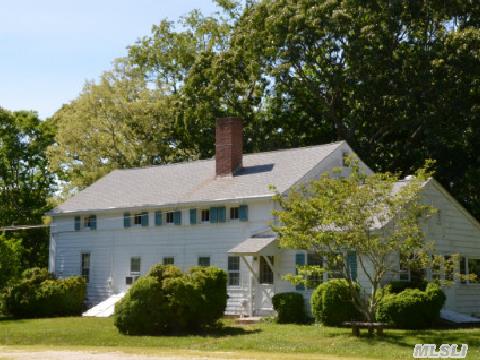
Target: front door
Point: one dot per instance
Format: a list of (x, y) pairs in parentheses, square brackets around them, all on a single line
[(265, 287)]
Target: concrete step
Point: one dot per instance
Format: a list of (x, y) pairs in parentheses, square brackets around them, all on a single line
[(106, 308)]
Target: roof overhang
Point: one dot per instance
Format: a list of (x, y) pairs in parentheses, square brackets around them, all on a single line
[(255, 246)]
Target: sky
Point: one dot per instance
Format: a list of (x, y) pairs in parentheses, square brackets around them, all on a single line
[(49, 48)]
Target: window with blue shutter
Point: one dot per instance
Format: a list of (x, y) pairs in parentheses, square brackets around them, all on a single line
[(93, 222), (78, 223), (352, 264), (213, 215), (158, 218), (193, 216), (145, 219), (177, 217), (299, 261), (243, 213), (222, 214), (126, 220)]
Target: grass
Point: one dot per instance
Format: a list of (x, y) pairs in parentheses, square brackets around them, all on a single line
[(265, 340)]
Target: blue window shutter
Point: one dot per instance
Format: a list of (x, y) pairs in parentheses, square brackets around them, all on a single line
[(145, 219), (177, 217), (243, 213), (78, 222), (222, 214), (158, 218), (93, 222), (213, 215), (299, 261), (193, 216), (352, 264), (126, 220)]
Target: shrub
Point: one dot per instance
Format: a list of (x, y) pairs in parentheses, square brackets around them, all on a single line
[(398, 286), (167, 301), (412, 308), (332, 303), (290, 307), (39, 294)]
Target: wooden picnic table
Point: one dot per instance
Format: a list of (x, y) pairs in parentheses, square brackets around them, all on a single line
[(357, 325)]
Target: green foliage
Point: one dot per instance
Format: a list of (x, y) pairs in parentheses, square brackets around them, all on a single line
[(290, 307), (332, 302), (39, 294), (167, 301), (412, 308), (25, 182), (396, 287), (335, 215), (10, 255)]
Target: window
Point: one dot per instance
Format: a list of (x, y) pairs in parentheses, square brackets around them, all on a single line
[(170, 219), (205, 215), (315, 279), (137, 219), (135, 265), (168, 260), (85, 270), (204, 261), (233, 271), (234, 213), (88, 221), (266, 272), (474, 270), (449, 268)]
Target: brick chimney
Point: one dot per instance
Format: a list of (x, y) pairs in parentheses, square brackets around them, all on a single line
[(229, 145)]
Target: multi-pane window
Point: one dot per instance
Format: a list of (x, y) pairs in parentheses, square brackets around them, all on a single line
[(85, 266), (170, 217), (474, 270), (233, 271), (135, 265), (266, 272), (205, 215), (204, 260), (234, 213), (315, 279), (168, 260)]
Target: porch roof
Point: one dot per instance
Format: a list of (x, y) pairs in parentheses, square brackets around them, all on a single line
[(253, 246)]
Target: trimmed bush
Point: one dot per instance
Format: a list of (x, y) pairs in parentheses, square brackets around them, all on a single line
[(396, 287), (39, 294), (290, 307), (412, 308), (168, 301), (332, 303)]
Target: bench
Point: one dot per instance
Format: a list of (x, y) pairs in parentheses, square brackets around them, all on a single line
[(357, 325)]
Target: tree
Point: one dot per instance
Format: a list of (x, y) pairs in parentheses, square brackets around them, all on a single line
[(374, 215), (25, 181), (10, 255)]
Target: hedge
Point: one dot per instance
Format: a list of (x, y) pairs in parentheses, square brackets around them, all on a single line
[(412, 308), (167, 301), (290, 307), (332, 303), (40, 294)]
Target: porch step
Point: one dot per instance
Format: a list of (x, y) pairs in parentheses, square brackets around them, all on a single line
[(106, 308), (248, 320)]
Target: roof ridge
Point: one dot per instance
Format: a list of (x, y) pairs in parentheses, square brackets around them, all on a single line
[(213, 158)]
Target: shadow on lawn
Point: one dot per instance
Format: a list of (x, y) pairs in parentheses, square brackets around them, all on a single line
[(408, 338), (213, 332)]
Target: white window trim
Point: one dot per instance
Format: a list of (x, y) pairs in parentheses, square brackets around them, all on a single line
[(135, 273)]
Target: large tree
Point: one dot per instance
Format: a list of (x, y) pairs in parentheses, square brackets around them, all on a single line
[(374, 216), (25, 184), (399, 80)]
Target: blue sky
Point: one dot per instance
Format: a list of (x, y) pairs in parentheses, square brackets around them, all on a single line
[(49, 48)]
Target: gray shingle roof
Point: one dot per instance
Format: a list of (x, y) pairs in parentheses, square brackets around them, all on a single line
[(195, 181)]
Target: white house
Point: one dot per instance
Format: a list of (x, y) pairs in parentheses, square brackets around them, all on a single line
[(218, 212)]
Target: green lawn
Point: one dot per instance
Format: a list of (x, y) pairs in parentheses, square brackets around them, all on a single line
[(263, 341)]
